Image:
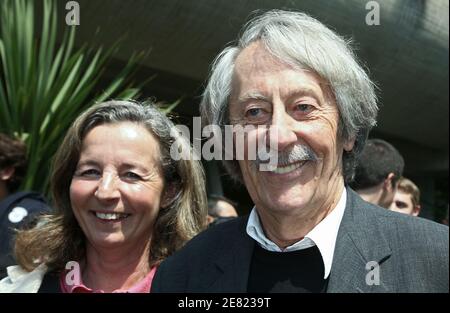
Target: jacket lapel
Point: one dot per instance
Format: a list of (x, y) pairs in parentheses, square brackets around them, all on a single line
[(233, 265), (359, 242)]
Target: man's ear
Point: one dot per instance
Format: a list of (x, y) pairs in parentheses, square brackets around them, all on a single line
[(7, 173), (349, 144), (387, 185), (416, 210)]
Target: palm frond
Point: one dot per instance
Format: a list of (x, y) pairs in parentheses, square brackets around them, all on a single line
[(44, 85)]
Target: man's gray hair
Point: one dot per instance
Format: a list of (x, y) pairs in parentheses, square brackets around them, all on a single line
[(303, 42)]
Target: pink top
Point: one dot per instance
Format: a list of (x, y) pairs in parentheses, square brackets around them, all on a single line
[(142, 286)]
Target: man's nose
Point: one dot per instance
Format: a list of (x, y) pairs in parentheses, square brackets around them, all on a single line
[(107, 187), (281, 133)]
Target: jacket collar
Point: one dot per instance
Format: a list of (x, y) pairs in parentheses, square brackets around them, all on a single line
[(360, 241)]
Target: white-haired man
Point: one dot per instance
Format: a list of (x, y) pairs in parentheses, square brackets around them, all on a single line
[(300, 84)]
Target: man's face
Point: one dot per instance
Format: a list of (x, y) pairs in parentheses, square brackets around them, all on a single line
[(403, 204), (297, 107)]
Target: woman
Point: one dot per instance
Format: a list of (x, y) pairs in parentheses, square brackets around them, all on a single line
[(124, 205)]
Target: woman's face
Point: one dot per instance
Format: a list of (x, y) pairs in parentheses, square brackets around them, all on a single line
[(117, 187)]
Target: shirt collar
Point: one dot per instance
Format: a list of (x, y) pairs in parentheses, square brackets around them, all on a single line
[(143, 286), (323, 235)]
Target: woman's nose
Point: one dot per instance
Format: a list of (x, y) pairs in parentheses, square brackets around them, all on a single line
[(107, 187)]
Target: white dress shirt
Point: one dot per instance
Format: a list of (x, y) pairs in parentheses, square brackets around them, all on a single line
[(323, 235)]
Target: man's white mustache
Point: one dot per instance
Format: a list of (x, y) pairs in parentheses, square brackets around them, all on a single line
[(297, 153)]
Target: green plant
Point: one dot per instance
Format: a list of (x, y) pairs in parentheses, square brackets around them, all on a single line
[(45, 85)]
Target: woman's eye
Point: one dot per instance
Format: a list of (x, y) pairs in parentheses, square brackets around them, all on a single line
[(90, 173), (131, 175)]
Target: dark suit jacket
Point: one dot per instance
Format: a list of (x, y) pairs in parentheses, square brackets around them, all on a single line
[(412, 254)]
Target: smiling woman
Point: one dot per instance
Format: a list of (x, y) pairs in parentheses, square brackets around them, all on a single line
[(123, 204), (117, 187)]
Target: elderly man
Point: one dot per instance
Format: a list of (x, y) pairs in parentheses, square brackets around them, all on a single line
[(308, 232)]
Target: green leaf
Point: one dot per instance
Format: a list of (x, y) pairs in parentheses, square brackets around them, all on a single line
[(45, 85)]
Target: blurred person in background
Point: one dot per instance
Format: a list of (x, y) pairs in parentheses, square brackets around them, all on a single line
[(406, 198), (17, 208), (378, 170), (220, 209)]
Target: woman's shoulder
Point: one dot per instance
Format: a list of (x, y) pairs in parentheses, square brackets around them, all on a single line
[(21, 281)]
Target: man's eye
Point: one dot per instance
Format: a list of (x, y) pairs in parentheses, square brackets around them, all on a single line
[(254, 112), (303, 107), (256, 116)]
